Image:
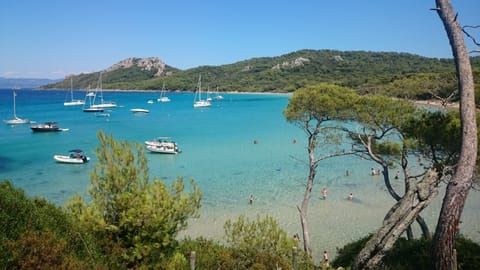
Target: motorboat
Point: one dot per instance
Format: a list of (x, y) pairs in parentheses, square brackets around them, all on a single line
[(47, 127), (162, 145), (75, 156), (139, 110)]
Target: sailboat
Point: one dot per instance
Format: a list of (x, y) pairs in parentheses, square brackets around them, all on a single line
[(73, 102), (91, 101), (162, 97), (218, 96), (16, 119), (103, 104), (198, 101)]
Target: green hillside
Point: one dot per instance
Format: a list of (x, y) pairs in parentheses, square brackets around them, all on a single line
[(364, 71)]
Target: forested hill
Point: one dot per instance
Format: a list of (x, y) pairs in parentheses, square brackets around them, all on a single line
[(357, 69)]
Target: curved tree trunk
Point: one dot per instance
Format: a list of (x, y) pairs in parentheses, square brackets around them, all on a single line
[(386, 178), (312, 139), (303, 213), (459, 186), (402, 214)]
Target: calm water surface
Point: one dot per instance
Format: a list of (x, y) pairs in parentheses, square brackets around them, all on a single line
[(218, 152)]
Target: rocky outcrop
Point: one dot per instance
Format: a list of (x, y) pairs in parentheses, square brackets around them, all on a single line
[(146, 64), (291, 64)]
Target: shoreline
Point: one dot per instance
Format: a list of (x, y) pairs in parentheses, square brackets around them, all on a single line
[(168, 91), (430, 102), (436, 103)]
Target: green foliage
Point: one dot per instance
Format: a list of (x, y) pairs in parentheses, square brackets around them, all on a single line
[(133, 219), (367, 72), (260, 244), (42, 250), (209, 254), (437, 133), (36, 225), (346, 254), (320, 103), (412, 254), (421, 86)]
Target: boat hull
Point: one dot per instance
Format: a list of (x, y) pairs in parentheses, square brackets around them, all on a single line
[(162, 149), (74, 103), (139, 110), (70, 160), (92, 110), (43, 129), (16, 121), (47, 127)]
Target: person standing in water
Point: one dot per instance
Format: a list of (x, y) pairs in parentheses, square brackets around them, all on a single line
[(251, 199), (324, 193)]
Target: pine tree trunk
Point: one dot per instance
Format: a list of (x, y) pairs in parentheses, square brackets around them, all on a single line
[(459, 186), (306, 198), (399, 218)]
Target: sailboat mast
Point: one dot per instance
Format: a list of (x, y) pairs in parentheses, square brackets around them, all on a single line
[(71, 89), (14, 106)]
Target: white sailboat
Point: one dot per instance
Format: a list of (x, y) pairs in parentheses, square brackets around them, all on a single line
[(103, 104), (90, 96), (218, 96), (198, 102), (16, 119), (73, 102), (162, 97)]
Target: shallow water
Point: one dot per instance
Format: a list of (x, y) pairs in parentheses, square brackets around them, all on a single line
[(218, 152)]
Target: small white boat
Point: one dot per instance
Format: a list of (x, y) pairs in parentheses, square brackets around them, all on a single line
[(16, 119), (150, 101), (162, 145), (198, 101), (76, 156), (139, 110), (163, 97), (73, 102), (91, 100), (99, 92)]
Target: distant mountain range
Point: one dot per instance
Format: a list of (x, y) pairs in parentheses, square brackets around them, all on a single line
[(25, 83), (356, 69)]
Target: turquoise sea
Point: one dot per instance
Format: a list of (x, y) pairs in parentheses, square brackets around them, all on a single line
[(217, 151)]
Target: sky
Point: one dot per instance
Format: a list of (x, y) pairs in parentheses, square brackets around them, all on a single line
[(55, 38)]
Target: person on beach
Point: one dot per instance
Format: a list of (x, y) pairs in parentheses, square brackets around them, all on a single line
[(325, 259), (397, 174), (251, 199), (350, 197), (373, 172), (324, 193), (347, 173), (296, 239), (294, 141)]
